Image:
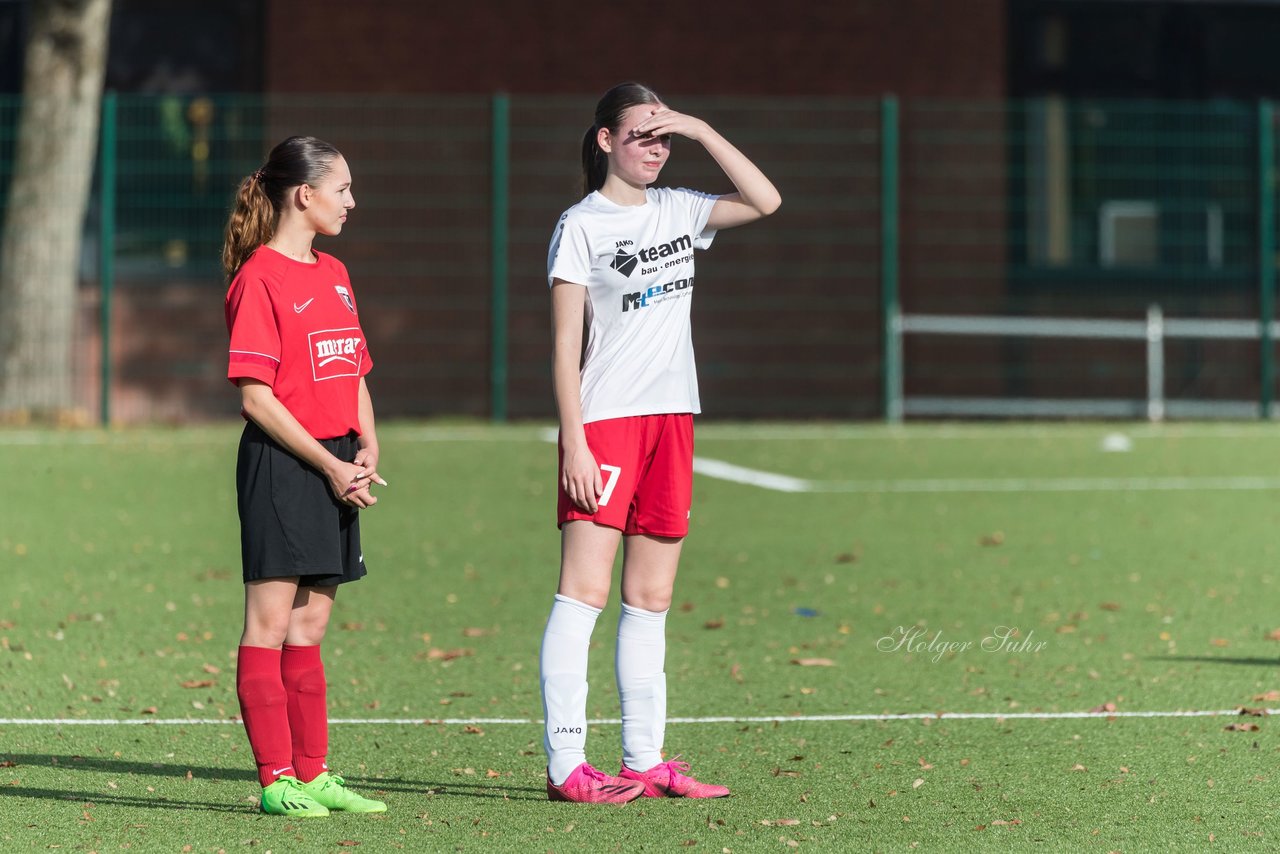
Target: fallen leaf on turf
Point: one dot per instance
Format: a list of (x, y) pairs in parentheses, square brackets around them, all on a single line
[(995, 538), (846, 557), (813, 662), (352, 627), (8, 763), (1076, 767), (476, 632), (717, 623), (436, 654), (198, 683), (209, 668), (1109, 606), (1242, 728), (919, 781), (491, 773), (1270, 696), (924, 765), (470, 729), (1105, 707), (348, 843), (1274, 634), (1220, 642), (1253, 713), (149, 710), (736, 673)]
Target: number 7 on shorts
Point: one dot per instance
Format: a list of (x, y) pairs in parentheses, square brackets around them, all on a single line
[(611, 480)]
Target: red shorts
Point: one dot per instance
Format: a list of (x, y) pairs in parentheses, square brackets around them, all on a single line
[(646, 466)]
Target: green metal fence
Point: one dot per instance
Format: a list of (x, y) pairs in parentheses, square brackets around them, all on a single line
[(916, 239)]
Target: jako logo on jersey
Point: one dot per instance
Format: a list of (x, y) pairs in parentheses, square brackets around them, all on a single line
[(640, 299), (346, 298), (336, 353)]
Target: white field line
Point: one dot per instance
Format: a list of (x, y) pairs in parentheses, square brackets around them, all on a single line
[(1050, 484), (728, 719), (752, 477)]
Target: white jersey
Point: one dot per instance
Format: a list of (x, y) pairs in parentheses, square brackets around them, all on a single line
[(636, 262)]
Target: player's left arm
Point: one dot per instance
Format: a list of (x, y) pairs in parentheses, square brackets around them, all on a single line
[(756, 197), (367, 456)]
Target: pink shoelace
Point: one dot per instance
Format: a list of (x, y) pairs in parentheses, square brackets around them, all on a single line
[(675, 768), (591, 773)]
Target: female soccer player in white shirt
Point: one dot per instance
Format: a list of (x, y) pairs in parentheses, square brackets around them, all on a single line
[(621, 262)]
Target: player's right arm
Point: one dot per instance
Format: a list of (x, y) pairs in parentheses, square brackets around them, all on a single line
[(260, 403), (579, 474)]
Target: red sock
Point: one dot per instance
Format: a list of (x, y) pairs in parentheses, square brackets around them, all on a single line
[(302, 672), (264, 708)]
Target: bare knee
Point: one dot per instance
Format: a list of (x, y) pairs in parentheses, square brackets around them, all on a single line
[(267, 630), (307, 629)]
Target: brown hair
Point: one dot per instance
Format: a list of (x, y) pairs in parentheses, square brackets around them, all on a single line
[(262, 194), (609, 113)]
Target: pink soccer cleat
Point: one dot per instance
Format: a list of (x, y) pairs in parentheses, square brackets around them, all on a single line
[(667, 780), (586, 785)]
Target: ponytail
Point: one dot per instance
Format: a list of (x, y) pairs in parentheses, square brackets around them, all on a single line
[(609, 113), (595, 163), (296, 161), (251, 224)]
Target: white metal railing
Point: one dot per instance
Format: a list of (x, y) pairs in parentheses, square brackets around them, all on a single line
[(1155, 329)]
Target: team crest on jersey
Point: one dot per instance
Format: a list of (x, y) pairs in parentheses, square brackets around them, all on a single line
[(346, 298), (336, 353)]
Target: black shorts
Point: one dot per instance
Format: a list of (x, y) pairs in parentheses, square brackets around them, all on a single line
[(290, 523)]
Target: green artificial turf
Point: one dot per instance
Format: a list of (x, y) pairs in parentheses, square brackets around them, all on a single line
[(121, 602)]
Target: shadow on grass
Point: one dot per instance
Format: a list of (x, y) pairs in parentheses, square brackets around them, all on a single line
[(72, 762), (89, 800), (1213, 659)]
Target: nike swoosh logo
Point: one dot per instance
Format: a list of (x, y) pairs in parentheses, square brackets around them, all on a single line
[(301, 308), (278, 770)]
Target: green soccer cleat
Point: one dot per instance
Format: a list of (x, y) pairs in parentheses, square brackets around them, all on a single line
[(330, 790), (286, 796)]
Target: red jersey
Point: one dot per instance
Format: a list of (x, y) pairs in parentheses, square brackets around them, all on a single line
[(294, 326)]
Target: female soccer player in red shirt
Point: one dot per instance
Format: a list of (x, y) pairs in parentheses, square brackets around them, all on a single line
[(307, 458)]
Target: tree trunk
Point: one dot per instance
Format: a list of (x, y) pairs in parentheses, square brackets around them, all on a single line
[(53, 171)]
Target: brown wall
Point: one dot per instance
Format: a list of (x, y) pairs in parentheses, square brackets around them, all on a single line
[(828, 47)]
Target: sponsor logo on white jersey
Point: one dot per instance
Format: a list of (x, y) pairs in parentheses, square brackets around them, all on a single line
[(625, 262)]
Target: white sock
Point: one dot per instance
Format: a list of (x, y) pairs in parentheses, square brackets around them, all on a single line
[(564, 685), (642, 685)]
